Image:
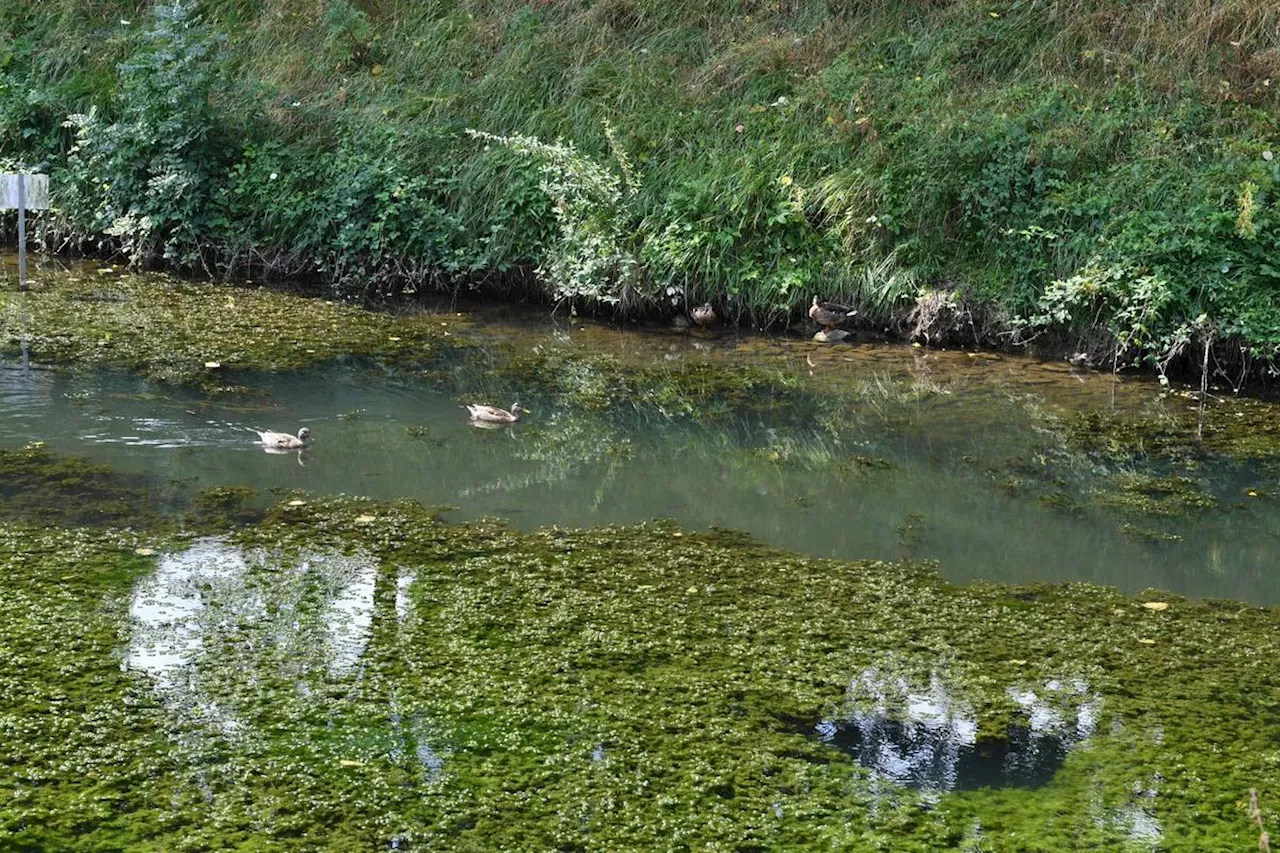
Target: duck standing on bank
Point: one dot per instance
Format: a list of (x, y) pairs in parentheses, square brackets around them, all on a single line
[(829, 314), (494, 415), (273, 440), (703, 315)]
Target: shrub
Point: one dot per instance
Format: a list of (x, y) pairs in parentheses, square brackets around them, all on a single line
[(147, 176)]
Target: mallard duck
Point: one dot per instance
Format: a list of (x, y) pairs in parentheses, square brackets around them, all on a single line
[(703, 315), (829, 314), (494, 415), (282, 440)]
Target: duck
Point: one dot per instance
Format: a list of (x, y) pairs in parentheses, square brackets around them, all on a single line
[(703, 315), (273, 440), (829, 314), (494, 415)]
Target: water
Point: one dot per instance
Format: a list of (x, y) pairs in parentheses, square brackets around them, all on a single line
[(909, 453), (654, 688), (923, 737)]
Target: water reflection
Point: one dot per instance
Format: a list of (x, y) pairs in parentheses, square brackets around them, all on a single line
[(921, 736), (349, 616), (231, 639), (167, 609)]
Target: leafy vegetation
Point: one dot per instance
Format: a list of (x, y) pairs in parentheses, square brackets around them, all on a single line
[(1101, 176)]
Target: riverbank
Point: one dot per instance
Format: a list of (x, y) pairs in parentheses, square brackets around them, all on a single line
[(1098, 176)]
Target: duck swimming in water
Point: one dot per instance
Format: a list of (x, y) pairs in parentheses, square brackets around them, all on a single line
[(494, 415), (273, 440)]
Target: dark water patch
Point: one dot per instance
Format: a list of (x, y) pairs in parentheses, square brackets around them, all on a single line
[(939, 758), (922, 735)]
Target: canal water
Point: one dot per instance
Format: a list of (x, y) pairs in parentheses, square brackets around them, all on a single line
[(858, 450)]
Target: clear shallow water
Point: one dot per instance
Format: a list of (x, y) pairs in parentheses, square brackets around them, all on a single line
[(909, 456)]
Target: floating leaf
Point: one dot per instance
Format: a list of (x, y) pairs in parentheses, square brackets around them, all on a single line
[(1156, 605)]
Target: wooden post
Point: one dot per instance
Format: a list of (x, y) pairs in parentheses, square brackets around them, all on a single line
[(22, 233)]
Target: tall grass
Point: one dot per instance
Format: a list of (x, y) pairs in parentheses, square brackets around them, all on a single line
[(871, 150)]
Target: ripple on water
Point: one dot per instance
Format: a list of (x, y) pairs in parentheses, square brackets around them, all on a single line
[(165, 433)]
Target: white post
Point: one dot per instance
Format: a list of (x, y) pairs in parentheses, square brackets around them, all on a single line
[(22, 233)]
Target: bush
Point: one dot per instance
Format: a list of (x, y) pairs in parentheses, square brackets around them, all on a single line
[(1086, 165), (147, 177)]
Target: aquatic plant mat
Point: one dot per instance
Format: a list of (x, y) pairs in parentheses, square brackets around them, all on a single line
[(348, 675), (183, 331)]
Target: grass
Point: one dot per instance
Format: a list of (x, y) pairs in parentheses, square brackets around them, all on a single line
[(872, 152)]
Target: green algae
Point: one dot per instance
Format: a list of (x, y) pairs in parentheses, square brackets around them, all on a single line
[(621, 688), (39, 487), (1137, 494), (224, 508), (639, 687), (180, 331), (1239, 429)]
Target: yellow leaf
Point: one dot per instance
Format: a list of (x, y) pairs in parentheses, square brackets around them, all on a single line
[(1156, 605), (1147, 642), (144, 552), (365, 519), (212, 365), (347, 762), (296, 503)]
